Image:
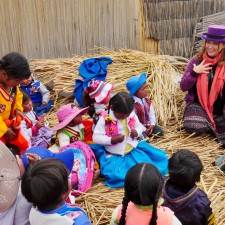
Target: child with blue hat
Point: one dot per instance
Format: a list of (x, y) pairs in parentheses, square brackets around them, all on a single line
[(143, 106), (45, 185)]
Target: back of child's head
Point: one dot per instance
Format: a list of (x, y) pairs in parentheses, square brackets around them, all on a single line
[(185, 168), (25, 97), (143, 186), (44, 183), (122, 103), (15, 65)]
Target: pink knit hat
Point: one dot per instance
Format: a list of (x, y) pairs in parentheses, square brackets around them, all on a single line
[(66, 114), (99, 90)]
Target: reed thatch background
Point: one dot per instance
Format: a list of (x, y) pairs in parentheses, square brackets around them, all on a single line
[(174, 22), (163, 76), (60, 28)]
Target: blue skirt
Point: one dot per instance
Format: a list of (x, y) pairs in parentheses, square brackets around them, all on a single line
[(114, 167)]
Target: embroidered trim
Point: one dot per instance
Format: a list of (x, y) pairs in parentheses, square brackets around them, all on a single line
[(182, 199), (5, 95)]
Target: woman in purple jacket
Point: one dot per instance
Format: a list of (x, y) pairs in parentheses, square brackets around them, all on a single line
[(204, 80)]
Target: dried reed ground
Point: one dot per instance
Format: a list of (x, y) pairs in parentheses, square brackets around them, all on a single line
[(168, 100)]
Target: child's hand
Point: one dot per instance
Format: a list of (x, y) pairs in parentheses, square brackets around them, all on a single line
[(117, 139), (40, 123), (10, 134), (133, 133), (149, 130), (43, 104), (18, 113), (32, 158)]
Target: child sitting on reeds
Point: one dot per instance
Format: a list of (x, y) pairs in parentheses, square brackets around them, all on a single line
[(36, 128), (143, 106), (142, 203), (39, 94), (45, 184), (97, 95), (70, 127), (189, 203), (117, 148)]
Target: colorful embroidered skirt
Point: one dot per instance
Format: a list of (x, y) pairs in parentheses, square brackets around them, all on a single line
[(114, 167), (196, 120)]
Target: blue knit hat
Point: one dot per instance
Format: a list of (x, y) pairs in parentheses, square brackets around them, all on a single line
[(67, 156), (135, 83)]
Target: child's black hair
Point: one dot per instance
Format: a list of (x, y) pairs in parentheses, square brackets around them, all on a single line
[(88, 102), (25, 97), (143, 186), (122, 103), (13, 148), (15, 65), (185, 168), (44, 182)]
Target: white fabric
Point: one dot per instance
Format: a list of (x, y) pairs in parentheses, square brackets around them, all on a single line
[(38, 218), (18, 213), (45, 93), (99, 108), (99, 135), (32, 117), (151, 110)]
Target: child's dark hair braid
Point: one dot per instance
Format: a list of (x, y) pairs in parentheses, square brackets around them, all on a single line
[(122, 103), (154, 218), (88, 102), (124, 210), (143, 186)]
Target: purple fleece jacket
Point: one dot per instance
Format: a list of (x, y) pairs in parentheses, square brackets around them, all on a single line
[(188, 81), (191, 208)]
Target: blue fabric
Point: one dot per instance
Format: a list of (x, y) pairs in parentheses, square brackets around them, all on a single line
[(93, 68), (68, 210), (67, 156), (114, 167), (135, 83), (39, 110), (33, 91)]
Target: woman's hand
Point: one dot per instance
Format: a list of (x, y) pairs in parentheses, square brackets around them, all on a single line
[(149, 130), (10, 134), (117, 138), (202, 68), (133, 133)]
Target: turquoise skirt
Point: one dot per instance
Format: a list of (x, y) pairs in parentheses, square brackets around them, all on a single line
[(114, 167)]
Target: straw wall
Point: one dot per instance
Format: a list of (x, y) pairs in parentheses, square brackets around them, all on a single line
[(60, 28), (173, 23)]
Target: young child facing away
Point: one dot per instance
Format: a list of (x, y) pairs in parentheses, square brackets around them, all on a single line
[(45, 184), (14, 68), (39, 94), (142, 203), (189, 203), (118, 149), (35, 126), (70, 127), (143, 105), (97, 96)]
